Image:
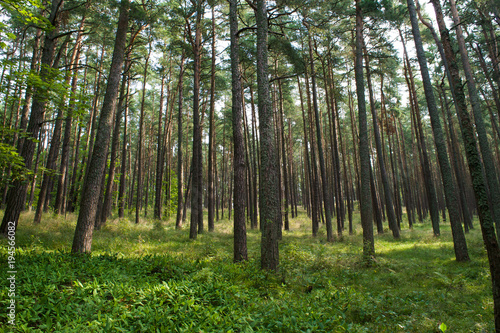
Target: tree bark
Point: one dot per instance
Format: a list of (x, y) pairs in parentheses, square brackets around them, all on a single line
[(269, 205), (364, 153), (459, 242), (123, 167), (160, 165), (240, 238), (196, 225), (82, 241), (488, 160), (140, 157), (211, 134), (178, 220)]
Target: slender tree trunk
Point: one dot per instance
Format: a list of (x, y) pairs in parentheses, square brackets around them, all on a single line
[(269, 205), (140, 157), (71, 204), (459, 241), (240, 238), (211, 134), (255, 159), (364, 154), (284, 155), (123, 167), (178, 220), (196, 225), (82, 241), (159, 156)]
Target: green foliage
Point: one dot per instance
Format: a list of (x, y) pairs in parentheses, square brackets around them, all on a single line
[(9, 158), (141, 278), (22, 11)]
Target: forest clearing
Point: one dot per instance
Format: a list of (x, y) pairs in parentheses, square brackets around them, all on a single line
[(152, 278)]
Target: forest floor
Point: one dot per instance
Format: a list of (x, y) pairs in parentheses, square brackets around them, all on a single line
[(151, 278)]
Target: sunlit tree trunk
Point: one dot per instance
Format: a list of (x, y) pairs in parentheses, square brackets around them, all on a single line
[(196, 225), (460, 245), (269, 205), (82, 241), (364, 153), (240, 237)]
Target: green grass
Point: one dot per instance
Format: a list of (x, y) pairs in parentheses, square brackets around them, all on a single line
[(152, 278)]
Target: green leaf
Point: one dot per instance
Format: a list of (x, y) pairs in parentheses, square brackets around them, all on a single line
[(443, 327)]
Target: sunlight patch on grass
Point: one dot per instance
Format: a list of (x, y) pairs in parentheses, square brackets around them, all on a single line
[(149, 276)]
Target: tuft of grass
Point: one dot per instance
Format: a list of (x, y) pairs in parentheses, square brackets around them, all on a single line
[(152, 277)]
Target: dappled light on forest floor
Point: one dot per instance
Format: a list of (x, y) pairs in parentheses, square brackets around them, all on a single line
[(145, 277)]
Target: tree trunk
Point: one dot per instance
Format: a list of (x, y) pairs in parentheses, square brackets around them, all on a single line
[(478, 181), (140, 157), (82, 241), (488, 160), (211, 134), (160, 165), (364, 153), (123, 168), (459, 242), (178, 220), (284, 156), (269, 205), (196, 225), (240, 238)]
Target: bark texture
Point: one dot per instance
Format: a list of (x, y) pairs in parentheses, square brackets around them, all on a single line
[(82, 241)]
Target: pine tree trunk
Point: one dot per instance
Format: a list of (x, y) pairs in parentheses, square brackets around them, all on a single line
[(240, 240), (459, 242), (269, 205), (284, 164), (180, 176), (159, 156), (211, 134), (82, 241), (364, 154), (140, 157), (123, 167), (488, 160), (196, 225)]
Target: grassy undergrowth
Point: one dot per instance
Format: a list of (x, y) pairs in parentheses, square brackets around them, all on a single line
[(152, 278)]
